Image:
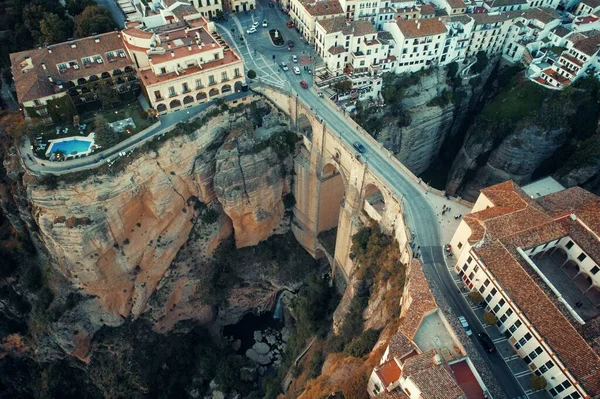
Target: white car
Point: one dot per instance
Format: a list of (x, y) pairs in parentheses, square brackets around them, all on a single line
[(465, 325), (265, 23), (255, 24), (294, 58), (284, 66), (297, 70), (251, 30)]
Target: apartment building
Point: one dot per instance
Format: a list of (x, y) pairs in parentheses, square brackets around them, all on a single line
[(489, 33), (208, 8), (239, 5), (349, 46), (414, 366), (52, 79), (460, 28), (419, 43), (536, 263), (360, 9), (306, 13), (452, 7), (530, 32), (587, 7), (183, 63)]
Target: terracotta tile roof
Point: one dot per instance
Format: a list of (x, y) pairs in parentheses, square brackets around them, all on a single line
[(561, 31), (437, 383), (418, 363), (576, 37), (542, 14), (340, 24), (395, 394), (485, 18), (535, 222), (503, 3), (333, 50), (318, 8), (183, 10), (427, 9), (456, 3), (419, 300), (400, 346), (389, 372), (32, 82), (571, 59), (588, 46), (421, 27)]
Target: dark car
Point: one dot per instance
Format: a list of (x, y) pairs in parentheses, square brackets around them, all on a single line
[(487, 342), (290, 43), (361, 148), (304, 84)]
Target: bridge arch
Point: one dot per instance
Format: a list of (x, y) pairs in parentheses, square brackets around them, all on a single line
[(304, 126), (374, 202), (331, 198)]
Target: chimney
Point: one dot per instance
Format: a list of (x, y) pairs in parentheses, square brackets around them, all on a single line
[(73, 45), (97, 39), (418, 24), (190, 47), (50, 79), (169, 45), (44, 66), (172, 54), (49, 50)]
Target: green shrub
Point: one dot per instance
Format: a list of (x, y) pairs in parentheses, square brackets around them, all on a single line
[(363, 344), (316, 362), (490, 318), (538, 383), (251, 74), (476, 297)]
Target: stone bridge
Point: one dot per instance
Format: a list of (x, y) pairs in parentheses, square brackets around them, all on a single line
[(335, 188)]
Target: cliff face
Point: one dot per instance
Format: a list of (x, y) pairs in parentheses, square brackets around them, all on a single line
[(113, 236), (527, 132), (422, 112)]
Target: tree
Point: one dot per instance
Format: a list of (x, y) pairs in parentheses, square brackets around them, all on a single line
[(76, 7), (356, 386), (251, 74), (538, 383), (490, 318), (342, 86), (105, 137), (452, 69), (94, 20), (55, 29), (482, 62), (476, 297), (107, 96)]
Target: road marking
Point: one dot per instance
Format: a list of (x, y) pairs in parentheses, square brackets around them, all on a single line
[(501, 339), (511, 358), (523, 373)]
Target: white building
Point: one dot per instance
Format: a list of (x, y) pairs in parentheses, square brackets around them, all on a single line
[(535, 263), (419, 43), (489, 33), (306, 13), (529, 32), (460, 29), (587, 7)]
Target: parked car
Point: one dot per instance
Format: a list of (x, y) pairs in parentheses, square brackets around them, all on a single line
[(294, 58), (290, 43), (487, 342), (284, 66), (251, 30), (465, 325), (289, 24), (265, 23), (297, 70), (255, 24), (359, 147), (304, 84)]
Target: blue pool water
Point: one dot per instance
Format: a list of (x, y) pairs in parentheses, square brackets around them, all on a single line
[(71, 146)]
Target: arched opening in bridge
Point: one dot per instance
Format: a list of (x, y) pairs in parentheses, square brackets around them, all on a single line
[(374, 203), (304, 126), (331, 198)]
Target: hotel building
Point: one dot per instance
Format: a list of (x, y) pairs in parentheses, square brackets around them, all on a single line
[(536, 263)]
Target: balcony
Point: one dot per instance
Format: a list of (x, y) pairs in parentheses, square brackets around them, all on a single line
[(171, 95), (186, 90)]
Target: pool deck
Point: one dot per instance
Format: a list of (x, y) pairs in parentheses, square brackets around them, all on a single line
[(89, 138)]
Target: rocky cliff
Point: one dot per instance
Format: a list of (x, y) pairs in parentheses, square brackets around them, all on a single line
[(527, 132), (113, 234), (421, 112)]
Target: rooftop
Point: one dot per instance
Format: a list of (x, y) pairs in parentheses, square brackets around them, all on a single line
[(544, 15), (591, 3), (542, 187), (427, 9), (432, 334), (437, 383), (340, 24), (561, 31), (421, 300), (456, 3), (517, 221), (504, 3), (318, 8), (421, 27), (466, 380), (31, 68), (389, 372), (588, 46)]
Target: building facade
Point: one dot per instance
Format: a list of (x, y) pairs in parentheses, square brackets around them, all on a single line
[(519, 254), (183, 64), (306, 13)]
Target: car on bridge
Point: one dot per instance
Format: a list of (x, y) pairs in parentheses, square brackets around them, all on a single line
[(486, 342), (251, 30), (359, 147), (297, 70), (284, 66), (265, 24), (304, 84), (465, 325)]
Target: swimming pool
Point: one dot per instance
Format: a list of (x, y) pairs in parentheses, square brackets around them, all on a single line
[(71, 146)]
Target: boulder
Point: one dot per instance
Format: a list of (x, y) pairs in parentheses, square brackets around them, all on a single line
[(258, 336), (257, 357), (261, 348)]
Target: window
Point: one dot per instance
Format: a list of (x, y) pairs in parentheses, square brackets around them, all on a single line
[(476, 268), (569, 245), (224, 76), (163, 70), (185, 87), (172, 91), (471, 275), (488, 298), (486, 282), (494, 291), (595, 270), (502, 302), (198, 83), (509, 313), (469, 259), (496, 309), (237, 73), (211, 80), (157, 95), (459, 245), (581, 257)]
